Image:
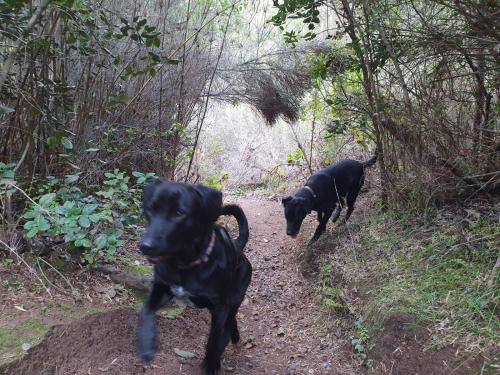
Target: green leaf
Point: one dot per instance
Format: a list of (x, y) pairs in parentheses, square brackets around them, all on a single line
[(166, 60), (4, 109), (32, 232), (172, 312), (89, 208), (8, 174), (84, 221), (47, 199), (184, 353), (89, 258), (101, 241), (95, 218), (86, 243), (66, 142), (70, 178), (52, 141)]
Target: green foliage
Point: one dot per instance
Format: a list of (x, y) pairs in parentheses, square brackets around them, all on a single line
[(217, 181), (7, 178), (360, 341), (12, 338), (94, 222), (331, 295), (295, 158), (7, 171), (441, 281), (273, 178), (306, 10)]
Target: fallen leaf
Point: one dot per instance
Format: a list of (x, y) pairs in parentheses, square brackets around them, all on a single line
[(184, 353), (281, 331), (173, 312), (19, 307)]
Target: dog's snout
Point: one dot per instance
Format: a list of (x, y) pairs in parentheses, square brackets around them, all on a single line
[(146, 246)]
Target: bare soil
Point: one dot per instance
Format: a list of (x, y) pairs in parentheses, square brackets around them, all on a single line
[(400, 349)]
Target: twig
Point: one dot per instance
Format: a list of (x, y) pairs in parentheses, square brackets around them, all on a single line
[(73, 289), (27, 266)]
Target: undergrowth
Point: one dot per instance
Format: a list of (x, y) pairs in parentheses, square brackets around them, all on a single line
[(437, 268)]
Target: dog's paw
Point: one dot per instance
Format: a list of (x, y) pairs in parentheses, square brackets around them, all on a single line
[(148, 353), (211, 367), (235, 337), (147, 356)]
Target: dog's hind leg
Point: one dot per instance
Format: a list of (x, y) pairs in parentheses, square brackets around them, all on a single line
[(217, 340), (336, 212), (322, 226), (147, 332), (351, 199)]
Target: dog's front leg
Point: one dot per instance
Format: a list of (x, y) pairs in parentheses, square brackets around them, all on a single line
[(321, 227), (147, 332), (217, 340)]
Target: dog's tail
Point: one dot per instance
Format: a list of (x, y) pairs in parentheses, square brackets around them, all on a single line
[(370, 162), (237, 212)]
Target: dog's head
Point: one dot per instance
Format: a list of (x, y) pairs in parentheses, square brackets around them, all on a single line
[(296, 209), (178, 216)]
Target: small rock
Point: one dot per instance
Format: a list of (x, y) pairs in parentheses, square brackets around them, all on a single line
[(326, 366), (249, 345), (26, 346)]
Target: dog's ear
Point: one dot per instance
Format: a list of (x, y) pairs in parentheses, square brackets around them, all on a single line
[(306, 204), (149, 190), (286, 200), (211, 201)]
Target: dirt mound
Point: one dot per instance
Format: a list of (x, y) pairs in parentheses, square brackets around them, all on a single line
[(105, 344), (400, 350)]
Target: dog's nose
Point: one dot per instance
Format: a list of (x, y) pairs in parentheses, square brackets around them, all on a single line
[(146, 247)]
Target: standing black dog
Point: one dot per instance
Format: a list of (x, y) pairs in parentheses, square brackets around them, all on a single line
[(193, 258), (325, 192)]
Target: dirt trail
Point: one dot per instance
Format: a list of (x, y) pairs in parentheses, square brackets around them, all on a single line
[(279, 324)]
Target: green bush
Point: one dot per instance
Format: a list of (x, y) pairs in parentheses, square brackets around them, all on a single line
[(94, 222)]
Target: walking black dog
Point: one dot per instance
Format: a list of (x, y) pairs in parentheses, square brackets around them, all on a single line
[(325, 192), (193, 258)]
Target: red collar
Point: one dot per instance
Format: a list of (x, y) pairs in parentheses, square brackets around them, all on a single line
[(310, 190), (205, 256)]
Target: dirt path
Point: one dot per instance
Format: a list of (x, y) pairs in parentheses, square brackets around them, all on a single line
[(280, 323)]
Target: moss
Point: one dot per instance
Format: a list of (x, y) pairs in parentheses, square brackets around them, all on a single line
[(140, 269), (31, 331)]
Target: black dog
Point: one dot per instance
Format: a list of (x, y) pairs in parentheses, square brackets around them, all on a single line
[(193, 258), (325, 192)]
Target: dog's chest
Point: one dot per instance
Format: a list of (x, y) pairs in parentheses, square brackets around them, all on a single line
[(180, 291)]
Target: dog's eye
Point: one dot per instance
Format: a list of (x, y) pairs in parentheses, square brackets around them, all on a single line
[(180, 212)]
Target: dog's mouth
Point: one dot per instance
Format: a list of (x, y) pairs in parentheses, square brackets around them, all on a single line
[(157, 259)]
